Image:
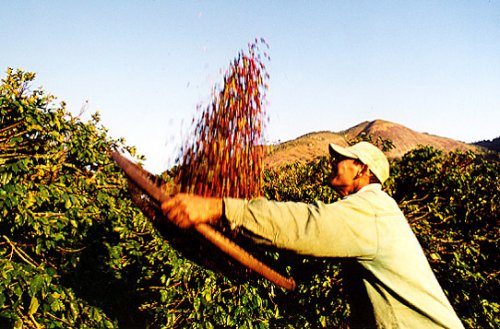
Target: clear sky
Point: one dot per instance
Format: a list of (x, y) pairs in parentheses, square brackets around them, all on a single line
[(433, 66)]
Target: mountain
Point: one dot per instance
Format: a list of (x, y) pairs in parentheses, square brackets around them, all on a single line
[(403, 138), (312, 145)]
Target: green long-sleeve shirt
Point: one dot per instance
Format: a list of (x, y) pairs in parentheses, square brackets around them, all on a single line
[(368, 227)]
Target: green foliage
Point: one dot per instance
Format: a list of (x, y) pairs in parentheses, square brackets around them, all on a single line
[(58, 192), (76, 252)]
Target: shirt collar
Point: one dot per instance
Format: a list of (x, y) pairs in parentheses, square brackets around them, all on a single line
[(369, 187)]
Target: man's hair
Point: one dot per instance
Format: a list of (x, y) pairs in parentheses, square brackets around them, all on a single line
[(373, 179)]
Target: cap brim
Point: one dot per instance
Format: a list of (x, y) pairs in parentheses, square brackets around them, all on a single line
[(339, 150)]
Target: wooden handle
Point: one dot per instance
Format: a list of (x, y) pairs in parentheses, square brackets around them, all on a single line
[(141, 178)]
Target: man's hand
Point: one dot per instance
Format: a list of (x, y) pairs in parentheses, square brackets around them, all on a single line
[(186, 210)]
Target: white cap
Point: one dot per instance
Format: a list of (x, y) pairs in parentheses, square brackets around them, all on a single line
[(368, 154)]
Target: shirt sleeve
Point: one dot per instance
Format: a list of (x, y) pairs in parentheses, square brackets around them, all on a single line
[(346, 228)]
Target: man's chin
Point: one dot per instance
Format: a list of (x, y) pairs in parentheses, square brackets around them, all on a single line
[(337, 188), (342, 190)]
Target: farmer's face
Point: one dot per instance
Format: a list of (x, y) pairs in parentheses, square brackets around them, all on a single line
[(344, 175)]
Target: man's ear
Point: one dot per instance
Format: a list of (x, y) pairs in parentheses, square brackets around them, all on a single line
[(363, 170)]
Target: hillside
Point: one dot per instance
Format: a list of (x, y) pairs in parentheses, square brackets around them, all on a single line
[(312, 145)]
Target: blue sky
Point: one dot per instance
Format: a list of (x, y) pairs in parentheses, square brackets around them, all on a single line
[(433, 66)]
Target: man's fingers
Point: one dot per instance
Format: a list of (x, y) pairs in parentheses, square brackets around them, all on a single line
[(187, 210)]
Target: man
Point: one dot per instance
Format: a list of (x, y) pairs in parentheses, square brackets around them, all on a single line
[(391, 281)]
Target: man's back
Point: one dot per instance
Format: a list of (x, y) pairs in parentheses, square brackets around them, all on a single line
[(399, 282)]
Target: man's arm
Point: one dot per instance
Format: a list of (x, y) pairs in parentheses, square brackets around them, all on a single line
[(343, 229)]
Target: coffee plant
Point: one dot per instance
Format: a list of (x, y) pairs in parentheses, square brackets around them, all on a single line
[(76, 252)]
